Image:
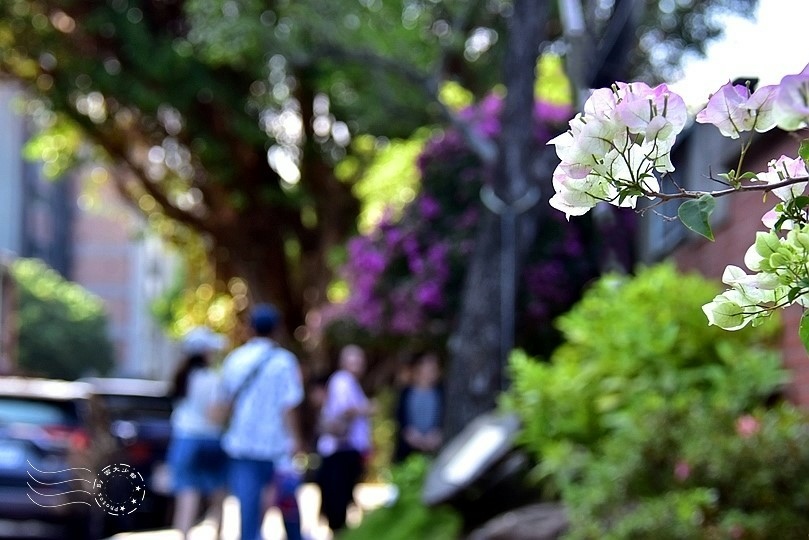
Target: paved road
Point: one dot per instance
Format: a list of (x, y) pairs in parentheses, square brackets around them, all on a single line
[(368, 496)]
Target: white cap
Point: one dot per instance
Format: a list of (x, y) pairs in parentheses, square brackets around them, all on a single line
[(201, 340)]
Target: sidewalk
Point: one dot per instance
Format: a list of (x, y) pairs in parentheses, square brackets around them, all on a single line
[(368, 497)]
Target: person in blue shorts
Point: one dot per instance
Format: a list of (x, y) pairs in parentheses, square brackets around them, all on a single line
[(195, 457)]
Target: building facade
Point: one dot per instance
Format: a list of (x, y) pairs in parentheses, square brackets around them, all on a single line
[(96, 241)]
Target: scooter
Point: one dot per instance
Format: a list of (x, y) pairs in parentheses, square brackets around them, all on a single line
[(480, 472)]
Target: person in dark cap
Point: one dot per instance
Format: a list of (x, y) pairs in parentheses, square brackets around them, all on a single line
[(264, 318), (263, 382)]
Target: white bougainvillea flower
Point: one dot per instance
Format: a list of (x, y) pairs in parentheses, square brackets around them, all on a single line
[(565, 141), (567, 150), (725, 109), (660, 154), (614, 160), (576, 196), (625, 172), (583, 144), (771, 218), (656, 113), (731, 310), (758, 288), (767, 245), (733, 110), (780, 264), (592, 142), (791, 105), (785, 168), (616, 149), (601, 104), (752, 258), (762, 105)]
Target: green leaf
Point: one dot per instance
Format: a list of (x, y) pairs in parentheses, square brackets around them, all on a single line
[(799, 203), (696, 213), (803, 151), (803, 330)]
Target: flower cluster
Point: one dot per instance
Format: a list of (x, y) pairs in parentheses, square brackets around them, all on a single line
[(734, 109), (781, 266), (779, 257), (405, 278), (780, 261), (371, 259), (615, 151)]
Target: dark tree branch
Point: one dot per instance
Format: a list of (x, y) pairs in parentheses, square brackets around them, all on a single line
[(429, 83)]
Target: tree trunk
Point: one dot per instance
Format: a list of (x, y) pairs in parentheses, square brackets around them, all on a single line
[(475, 373)]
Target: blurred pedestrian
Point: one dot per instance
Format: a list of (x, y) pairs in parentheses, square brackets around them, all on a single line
[(420, 408), (262, 380), (195, 457), (345, 439), (283, 494)]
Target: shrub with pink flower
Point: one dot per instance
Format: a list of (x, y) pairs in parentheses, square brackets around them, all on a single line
[(682, 470), (747, 426)]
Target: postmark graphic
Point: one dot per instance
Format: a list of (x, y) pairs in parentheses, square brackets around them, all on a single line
[(118, 489), (51, 489)]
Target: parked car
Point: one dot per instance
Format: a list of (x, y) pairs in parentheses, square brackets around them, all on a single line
[(139, 412), (53, 439)]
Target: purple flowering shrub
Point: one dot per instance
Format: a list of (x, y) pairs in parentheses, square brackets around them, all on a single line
[(405, 278)]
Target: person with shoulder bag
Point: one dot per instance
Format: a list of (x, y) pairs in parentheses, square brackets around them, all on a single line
[(261, 385)]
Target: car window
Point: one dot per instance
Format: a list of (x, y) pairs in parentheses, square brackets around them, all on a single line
[(123, 407), (39, 412)]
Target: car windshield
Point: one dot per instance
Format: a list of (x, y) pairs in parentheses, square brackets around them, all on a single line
[(38, 412)]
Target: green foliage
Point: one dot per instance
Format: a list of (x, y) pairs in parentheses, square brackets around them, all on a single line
[(651, 424), (391, 179), (371, 59), (803, 150), (705, 473), (629, 344), (195, 297), (57, 147), (383, 436), (408, 518), (803, 330), (62, 327)]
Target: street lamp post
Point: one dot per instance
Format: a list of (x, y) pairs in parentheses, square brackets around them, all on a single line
[(508, 213)]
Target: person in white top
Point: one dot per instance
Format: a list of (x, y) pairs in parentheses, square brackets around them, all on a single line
[(195, 457), (345, 439), (263, 381)]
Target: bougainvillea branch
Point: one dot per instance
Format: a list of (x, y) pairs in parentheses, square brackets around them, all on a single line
[(618, 149)]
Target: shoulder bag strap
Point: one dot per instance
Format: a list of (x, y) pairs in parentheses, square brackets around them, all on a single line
[(253, 372)]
